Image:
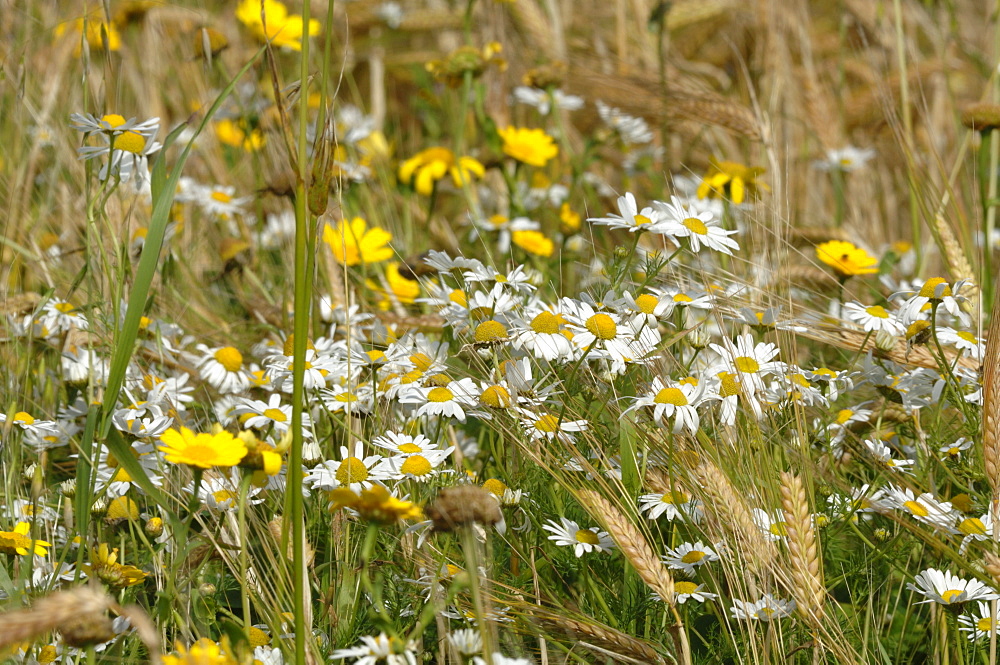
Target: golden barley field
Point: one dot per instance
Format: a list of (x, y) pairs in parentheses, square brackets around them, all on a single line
[(482, 332)]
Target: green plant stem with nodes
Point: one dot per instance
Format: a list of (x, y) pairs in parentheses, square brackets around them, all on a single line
[(303, 297)]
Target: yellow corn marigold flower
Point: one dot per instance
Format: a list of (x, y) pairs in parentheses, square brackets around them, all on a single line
[(530, 146), (202, 652), (404, 289), (569, 221), (846, 259), (533, 242), (104, 565), (354, 243), (202, 450), (731, 180), (278, 26), (94, 30), (375, 505), (19, 542), (425, 168), (236, 134)]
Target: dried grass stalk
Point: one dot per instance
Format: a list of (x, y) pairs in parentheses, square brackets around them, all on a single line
[(991, 401), (959, 264), (807, 581), (632, 544), (991, 562)]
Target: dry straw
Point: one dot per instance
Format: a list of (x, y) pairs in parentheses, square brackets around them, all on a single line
[(807, 581)]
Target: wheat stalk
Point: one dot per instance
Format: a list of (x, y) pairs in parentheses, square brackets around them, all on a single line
[(807, 588), (632, 543), (991, 401), (729, 512), (605, 635)]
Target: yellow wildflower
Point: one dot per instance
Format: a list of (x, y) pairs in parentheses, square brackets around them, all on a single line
[(353, 242), (530, 146), (846, 259), (202, 450), (278, 27), (533, 242), (19, 542), (731, 180), (425, 168), (375, 505)]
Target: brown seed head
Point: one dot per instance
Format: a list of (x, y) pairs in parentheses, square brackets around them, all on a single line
[(462, 505), (981, 117)]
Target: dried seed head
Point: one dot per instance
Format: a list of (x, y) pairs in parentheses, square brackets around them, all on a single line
[(981, 117), (462, 505)]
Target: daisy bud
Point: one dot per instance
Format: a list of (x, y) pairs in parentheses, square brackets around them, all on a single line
[(698, 339), (154, 527), (68, 488), (29, 471)]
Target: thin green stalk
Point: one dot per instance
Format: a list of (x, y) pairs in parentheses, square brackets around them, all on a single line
[(303, 288)]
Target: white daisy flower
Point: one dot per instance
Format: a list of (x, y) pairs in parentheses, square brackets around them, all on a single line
[(883, 456), (874, 318), (222, 368), (688, 557), (353, 470), (678, 401), (700, 228), (749, 361), (978, 624), (422, 466), (846, 159), (924, 508), (768, 608), (631, 218), (452, 400), (677, 504), (684, 591), (944, 588), (545, 425), (378, 649), (545, 102), (567, 533)]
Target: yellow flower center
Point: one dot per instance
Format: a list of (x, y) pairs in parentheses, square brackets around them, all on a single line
[(968, 337), (410, 377), (114, 120), (695, 225), (65, 307), (409, 447), (747, 365), (647, 303), (351, 470), (258, 637), (47, 655), (496, 397), (495, 487), (843, 416), (346, 397), (694, 556), (985, 624), (133, 142), (587, 536), (223, 496), (931, 285), (24, 418), (671, 396), (490, 331), (421, 361), (440, 394), (545, 323), (221, 196), (685, 587), (730, 386), (778, 529), (547, 423), (122, 476), (683, 297), (229, 358), (916, 508), (602, 326), (877, 311), (458, 297), (951, 595), (972, 526), (675, 497), (123, 508), (416, 465), (277, 415), (642, 219)]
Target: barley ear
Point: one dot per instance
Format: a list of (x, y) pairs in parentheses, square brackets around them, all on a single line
[(991, 401), (632, 543), (807, 581)]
